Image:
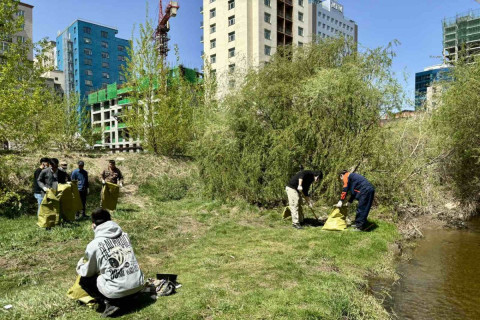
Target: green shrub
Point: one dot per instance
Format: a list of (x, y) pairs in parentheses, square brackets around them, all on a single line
[(320, 109)]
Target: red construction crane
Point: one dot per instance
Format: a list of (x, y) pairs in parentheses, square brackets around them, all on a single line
[(161, 34)]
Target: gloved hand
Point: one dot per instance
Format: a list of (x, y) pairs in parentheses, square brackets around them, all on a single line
[(339, 204), (69, 183), (300, 188), (103, 181), (121, 184), (347, 204), (45, 189)]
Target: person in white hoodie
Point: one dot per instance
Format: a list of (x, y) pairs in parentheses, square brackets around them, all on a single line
[(109, 270)]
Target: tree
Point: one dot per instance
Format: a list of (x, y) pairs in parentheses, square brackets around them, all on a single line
[(163, 103), (317, 106)]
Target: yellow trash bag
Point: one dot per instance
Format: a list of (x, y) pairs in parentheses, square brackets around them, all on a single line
[(49, 214), (336, 220), (109, 196), (286, 212), (70, 202), (76, 292)]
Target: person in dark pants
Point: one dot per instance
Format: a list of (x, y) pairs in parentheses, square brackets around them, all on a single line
[(81, 175), (109, 270), (37, 191), (300, 183), (360, 189)]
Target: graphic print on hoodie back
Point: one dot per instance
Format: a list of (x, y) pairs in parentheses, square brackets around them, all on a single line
[(110, 256)]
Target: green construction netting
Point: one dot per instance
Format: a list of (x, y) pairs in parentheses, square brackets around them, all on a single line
[(112, 91), (92, 98), (102, 95)]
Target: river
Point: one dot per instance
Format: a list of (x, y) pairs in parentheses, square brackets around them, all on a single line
[(442, 280)]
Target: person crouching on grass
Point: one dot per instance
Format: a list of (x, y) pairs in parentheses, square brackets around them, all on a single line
[(300, 183), (109, 270)]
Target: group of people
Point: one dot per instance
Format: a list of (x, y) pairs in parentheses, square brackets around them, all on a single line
[(49, 174), (356, 185)]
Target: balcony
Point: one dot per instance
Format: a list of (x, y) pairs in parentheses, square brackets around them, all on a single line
[(123, 102), (201, 24), (201, 39), (201, 9)]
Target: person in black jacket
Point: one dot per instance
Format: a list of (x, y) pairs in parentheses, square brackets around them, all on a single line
[(50, 177), (37, 191), (300, 182), (360, 189)]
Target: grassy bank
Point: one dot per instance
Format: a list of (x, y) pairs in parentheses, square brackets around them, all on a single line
[(235, 261)]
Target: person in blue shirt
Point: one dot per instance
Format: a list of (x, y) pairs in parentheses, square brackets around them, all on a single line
[(360, 189), (81, 176)]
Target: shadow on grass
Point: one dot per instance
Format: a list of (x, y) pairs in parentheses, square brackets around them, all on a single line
[(138, 303), (371, 226), (311, 222)]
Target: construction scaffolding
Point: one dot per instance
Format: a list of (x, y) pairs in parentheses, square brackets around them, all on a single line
[(461, 36)]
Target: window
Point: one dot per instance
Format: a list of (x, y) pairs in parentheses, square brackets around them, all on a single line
[(231, 36), (89, 83), (268, 50), (231, 4), (267, 3), (213, 13), (300, 44), (87, 51), (213, 58), (88, 72), (22, 26), (213, 28), (268, 34), (105, 55), (231, 52), (104, 86), (105, 75), (300, 16), (300, 31), (87, 30), (87, 40), (21, 39), (20, 13), (121, 77), (121, 58), (231, 21), (231, 84), (87, 62), (104, 44), (105, 65), (300, 3), (213, 43), (211, 1), (231, 68), (76, 61), (104, 34), (267, 17), (121, 48)]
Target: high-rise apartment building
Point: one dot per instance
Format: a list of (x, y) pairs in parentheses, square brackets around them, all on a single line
[(240, 34), (90, 56), (461, 35), (26, 11), (329, 21)]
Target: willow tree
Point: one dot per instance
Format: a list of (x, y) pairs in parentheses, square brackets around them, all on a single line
[(317, 106), (163, 103)]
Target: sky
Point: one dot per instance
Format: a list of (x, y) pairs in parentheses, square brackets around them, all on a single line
[(416, 24)]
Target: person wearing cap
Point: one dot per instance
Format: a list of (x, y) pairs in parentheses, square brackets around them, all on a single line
[(109, 271), (112, 174), (50, 177), (297, 188), (37, 190), (81, 175), (360, 189), (63, 167)]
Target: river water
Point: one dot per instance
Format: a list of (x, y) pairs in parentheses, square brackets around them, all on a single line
[(442, 280)]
